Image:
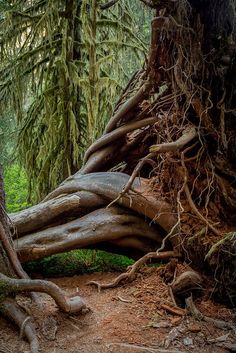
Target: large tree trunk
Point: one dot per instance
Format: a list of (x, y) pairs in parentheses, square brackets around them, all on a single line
[(173, 126)]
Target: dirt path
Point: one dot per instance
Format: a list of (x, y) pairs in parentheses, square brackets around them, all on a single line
[(128, 319)]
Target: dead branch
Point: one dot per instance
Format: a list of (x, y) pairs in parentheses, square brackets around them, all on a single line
[(173, 310)]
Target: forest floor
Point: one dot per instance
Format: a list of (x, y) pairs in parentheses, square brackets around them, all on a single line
[(131, 318)]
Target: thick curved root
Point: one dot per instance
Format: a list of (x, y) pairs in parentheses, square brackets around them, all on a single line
[(69, 305), (12, 311), (132, 270)]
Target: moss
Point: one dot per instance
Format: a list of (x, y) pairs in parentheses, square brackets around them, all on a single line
[(5, 289), (78, 262)]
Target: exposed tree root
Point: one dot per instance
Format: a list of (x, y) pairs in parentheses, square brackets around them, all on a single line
[(14, 261), (12, 311), (102, 225), (188, 135), (45, 213), (68, 305), (129, 105), (110, 184), (199, 316), (186, 281), (117, 133), (132, 270)]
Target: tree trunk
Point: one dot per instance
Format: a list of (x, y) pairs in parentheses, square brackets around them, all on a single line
[(10, 267), (174, 127)]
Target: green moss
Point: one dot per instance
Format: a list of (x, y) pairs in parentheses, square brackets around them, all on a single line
[(5, 289), (78, 262)]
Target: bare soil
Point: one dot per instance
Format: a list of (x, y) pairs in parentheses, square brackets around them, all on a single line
[(129, 318)]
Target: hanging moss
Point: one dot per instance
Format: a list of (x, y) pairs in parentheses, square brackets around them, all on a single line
[(62, 67)]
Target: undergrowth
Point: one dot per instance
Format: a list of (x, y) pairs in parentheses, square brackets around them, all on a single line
[(78, 262)]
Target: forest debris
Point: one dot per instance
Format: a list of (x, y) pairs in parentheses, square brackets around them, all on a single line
[(187, 341), (219, 339), (49, 328), (172, 335), (159, 324), (124, 300), (223, 325), (173, 310), (193, 327), (227, 341), (175, 320), (141, 349)]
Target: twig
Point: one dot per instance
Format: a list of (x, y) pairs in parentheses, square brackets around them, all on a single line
[(124, 300)]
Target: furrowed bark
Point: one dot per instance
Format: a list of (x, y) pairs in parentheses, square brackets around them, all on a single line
[(103, 225)]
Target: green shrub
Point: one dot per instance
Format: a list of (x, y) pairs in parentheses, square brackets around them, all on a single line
[(78, 262), (16, 188)]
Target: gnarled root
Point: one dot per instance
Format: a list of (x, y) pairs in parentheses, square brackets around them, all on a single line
[(68, 305), (103, 225), (199, 316), (132, 270), (186, 281), (12, 311)]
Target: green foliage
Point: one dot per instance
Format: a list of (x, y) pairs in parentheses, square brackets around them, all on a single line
[(7, 137), (78, 262), (61, 69), (16, 186)]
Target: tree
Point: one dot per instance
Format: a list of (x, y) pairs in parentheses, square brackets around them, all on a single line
[(57, 60), (174, 127), (10, 267)]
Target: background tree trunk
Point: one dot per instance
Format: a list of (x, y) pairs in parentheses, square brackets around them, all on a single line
[(5, 266)]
